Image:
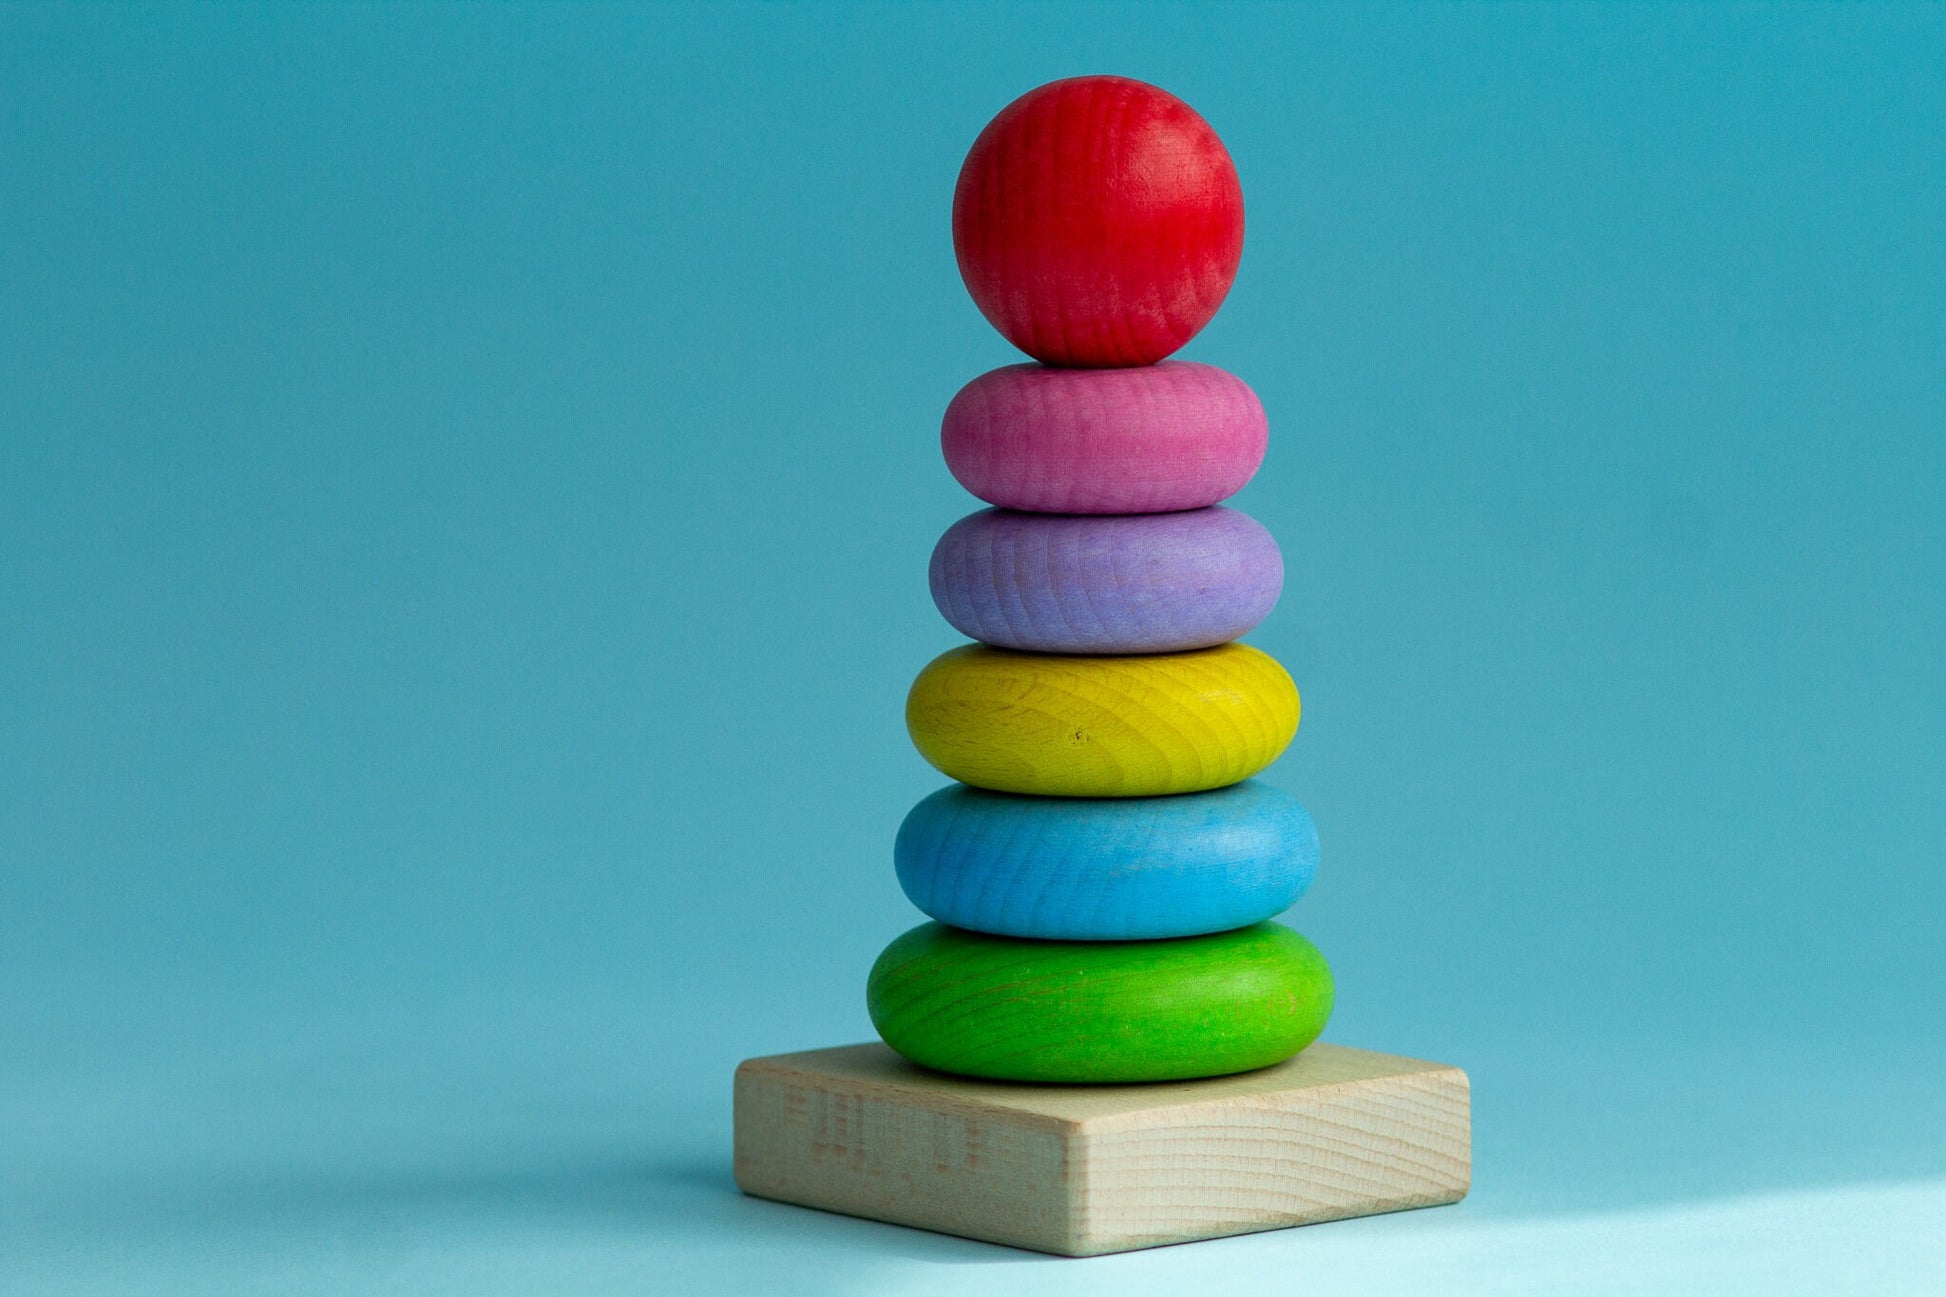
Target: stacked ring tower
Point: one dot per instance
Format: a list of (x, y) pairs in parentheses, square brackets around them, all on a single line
[(1101, 1041), (1102, 874)]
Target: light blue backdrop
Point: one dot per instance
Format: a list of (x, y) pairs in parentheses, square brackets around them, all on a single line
[(466, 478)]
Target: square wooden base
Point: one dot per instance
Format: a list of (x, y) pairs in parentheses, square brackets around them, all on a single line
[(1081, 1170)]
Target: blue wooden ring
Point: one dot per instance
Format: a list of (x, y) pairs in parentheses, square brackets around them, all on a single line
[(1106, 868)]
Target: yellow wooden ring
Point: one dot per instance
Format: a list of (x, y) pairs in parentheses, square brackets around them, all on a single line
[(1070, 726)]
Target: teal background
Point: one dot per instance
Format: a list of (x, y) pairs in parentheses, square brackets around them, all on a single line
[(466, 479)]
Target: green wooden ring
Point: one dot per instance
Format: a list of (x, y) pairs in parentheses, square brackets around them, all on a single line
[(1099, 1011)]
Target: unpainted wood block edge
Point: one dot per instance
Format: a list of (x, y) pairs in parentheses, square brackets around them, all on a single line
[(1391, 1134)]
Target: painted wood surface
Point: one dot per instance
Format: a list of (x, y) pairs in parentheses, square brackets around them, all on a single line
[(1098, 1011), (1085, 1170), (1141, 583), (1101, 726), (1106, 869), (1178, 435), (1098, 221)]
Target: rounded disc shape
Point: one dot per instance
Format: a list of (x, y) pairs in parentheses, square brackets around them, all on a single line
[(1101, 726), (1098, 221), (1106, 869), (1118, 583), (1178, 435), (1090, 1011)]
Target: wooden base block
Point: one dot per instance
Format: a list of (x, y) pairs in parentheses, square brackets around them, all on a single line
[(1080, 1170)]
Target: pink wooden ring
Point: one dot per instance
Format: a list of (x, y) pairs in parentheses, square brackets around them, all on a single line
[(1152, 439)]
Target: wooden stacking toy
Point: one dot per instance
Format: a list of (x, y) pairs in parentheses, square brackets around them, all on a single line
[(1101, 1041)]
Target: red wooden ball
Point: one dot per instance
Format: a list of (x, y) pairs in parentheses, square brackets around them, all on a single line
[(1098, 221)]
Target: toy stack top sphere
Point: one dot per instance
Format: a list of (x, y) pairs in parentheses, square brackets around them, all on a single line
[(1098, 221)]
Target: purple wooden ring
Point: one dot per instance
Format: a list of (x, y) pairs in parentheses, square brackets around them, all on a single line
[(1130, 583), (1178, 435)]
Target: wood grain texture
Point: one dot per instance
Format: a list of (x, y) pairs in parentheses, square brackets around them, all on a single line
[(1098, 221), (1099, 1011), (1101, 726), (1085, 1170), (1142, 583), (1178, 435), (1106, 868)]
